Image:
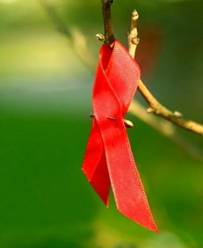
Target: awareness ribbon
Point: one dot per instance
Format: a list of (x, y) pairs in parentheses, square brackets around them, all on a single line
[(109, 161)]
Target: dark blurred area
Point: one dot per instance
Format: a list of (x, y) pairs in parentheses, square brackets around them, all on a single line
[(45, 101)]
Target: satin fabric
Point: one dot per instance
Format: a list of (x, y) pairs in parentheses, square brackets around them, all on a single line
[(109, 161)]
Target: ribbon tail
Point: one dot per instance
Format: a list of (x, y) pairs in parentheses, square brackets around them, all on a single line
[(126, 183), (94, 165)]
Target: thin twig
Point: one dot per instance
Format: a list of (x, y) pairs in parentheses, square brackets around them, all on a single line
[(175, 117), (133, 39), (73, 36)]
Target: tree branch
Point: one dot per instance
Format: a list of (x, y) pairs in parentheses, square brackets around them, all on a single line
[(155, 106), (136, 109)]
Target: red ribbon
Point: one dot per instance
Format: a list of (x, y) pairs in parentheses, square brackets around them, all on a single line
[(109, 161)]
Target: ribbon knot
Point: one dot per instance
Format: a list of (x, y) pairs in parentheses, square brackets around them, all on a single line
[(109, 161)]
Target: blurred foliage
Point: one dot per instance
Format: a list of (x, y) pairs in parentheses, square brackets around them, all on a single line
[(44, 106)]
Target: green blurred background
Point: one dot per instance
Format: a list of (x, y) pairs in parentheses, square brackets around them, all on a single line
[(45, 92)]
